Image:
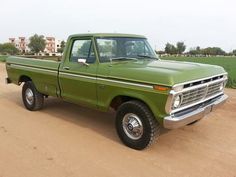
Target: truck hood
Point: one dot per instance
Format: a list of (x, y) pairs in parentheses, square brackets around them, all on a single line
[(163, 72)]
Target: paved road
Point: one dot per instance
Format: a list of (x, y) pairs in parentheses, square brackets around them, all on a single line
[(65, 140)]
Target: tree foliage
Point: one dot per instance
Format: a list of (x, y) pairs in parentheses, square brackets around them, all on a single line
[(170, 49), (61, 49), (195, 51), (213, 51), (37, 43), (234, 52), (207, 51), (180, 47), (8, 48)]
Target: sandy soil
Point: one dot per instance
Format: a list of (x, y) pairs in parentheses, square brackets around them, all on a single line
[(65, 140)]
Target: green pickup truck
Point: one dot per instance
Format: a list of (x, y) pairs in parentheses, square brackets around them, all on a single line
[(122, 72)]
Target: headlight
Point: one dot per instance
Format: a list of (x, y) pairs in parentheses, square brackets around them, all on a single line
[(177, 101)]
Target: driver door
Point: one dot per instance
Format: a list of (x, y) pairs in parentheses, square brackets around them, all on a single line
[(78, 80)]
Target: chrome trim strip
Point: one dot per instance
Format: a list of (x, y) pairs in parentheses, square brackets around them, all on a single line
[(27, 67), (107, 80), (78, 75), (126, 83), (200, 85), (183, 83)]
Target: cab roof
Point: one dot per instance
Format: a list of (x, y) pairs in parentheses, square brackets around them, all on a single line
[(101, 35)]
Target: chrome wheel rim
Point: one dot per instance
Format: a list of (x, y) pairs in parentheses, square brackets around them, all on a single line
[(29, 96), (132, 126)]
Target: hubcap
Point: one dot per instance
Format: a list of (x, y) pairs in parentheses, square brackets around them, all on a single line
[(132, 126), (29, 96)]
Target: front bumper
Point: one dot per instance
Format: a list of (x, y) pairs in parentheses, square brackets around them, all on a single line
[(192, 114)]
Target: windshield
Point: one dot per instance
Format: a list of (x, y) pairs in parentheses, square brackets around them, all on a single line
[(111, 48)]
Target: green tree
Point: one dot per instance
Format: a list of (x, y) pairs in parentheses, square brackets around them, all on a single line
[(0, 48), (195, 51), (180, 47), (37, 43), (8, 48), (207, 51), (192, 51), (170, 49), (234, 52), (61, 49), (213, 51), (198, 49)]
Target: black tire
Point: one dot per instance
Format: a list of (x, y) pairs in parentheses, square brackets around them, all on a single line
[(150, 126), (37, 98)]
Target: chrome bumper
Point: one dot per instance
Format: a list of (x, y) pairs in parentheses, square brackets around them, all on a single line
[(182, 119)]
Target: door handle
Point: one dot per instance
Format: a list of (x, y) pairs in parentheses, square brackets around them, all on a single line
[(66, 68)]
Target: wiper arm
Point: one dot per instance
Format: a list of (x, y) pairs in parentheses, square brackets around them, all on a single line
[(147, 56), (122, 58)]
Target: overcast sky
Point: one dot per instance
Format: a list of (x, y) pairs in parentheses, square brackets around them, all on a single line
[(196, 22)]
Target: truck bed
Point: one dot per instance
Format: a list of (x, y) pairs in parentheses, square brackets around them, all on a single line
[(43, 73)]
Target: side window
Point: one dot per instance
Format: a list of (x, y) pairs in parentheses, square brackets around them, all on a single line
[(82, 49)]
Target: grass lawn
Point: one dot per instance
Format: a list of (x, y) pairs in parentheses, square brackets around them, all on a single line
[(228, 63), (3, 58)]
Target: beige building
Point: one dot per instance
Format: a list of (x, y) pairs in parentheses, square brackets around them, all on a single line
[(20, 43), (52, 45)]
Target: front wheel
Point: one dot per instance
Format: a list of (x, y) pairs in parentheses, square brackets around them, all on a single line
[(32, 99), (136, 125)]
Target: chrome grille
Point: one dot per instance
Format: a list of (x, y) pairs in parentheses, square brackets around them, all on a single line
[(189, 94), (213, 89), (194, 95), (200, 93)]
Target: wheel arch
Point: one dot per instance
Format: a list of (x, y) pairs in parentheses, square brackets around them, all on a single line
[(23, 78), (117, 100)]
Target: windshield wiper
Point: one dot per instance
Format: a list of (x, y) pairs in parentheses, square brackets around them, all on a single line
[(122, 58), (147, 56)]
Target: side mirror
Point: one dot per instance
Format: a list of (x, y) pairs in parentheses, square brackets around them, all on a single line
[(82, 61)]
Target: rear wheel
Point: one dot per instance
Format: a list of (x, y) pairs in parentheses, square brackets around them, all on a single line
[(32, 99), (136, 125)]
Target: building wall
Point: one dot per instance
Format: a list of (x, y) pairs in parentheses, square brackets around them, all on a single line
[(51, 47), (21, 44), (57, 45)]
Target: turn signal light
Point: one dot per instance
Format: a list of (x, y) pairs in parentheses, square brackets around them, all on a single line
[(161, 88)]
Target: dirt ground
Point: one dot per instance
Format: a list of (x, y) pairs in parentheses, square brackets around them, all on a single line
[(66, 140)]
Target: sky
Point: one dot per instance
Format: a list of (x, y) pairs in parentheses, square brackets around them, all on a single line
[(196, 22)]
